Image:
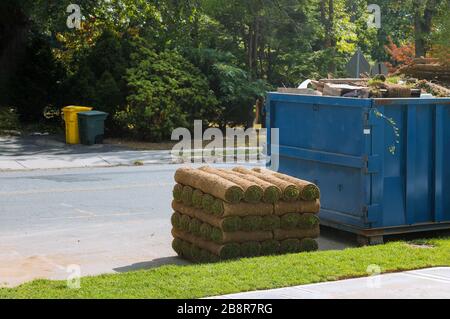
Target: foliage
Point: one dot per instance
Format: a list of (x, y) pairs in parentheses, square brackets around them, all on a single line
[(166, 92), (35, 85), (213, 57), (8, 119), (400, 55)]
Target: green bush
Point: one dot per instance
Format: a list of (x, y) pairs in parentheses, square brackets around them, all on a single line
[(166, 92), (8, 119)]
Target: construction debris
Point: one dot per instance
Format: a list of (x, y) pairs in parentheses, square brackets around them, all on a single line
[(427, 69)]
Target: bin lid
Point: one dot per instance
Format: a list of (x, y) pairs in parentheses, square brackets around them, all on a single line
[(74, 108), (93, 113)]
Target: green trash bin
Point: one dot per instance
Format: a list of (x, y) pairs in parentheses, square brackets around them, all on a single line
[(92, 127)]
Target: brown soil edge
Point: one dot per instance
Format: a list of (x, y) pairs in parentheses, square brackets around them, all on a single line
[(300, 207), (203, 244), (281, 234)]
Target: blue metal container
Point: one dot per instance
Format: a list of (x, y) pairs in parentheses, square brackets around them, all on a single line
[(383, 165)]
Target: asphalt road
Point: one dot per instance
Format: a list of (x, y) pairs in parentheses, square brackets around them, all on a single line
[(101, 219)]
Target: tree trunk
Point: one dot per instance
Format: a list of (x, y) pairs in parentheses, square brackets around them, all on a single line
[(422, 25)]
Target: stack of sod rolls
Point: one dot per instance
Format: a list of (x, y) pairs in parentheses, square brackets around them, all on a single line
[(224, 214)]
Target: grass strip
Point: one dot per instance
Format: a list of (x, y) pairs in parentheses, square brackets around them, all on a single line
[(245, 275)]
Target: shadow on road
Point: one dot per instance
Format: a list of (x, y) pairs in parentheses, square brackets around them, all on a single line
[(176, 261)]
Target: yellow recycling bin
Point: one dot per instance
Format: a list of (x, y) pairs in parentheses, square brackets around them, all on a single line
[(70, 114)]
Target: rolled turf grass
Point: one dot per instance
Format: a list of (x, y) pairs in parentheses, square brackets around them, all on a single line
[(177, 246), (253, 193), (290, 221), (308, 245), (194, 226), (196, 253), (290, 246), (186, 195), (197, 198), (177, 191), (231, 224), (230, 251), (175, 220), (271, 193), (207, 203), (205, 231), (217, 207), (270, 247), (185, 221), (290, 192), (307, 221), (209, 183), (251, 223), (300, 207), (270, 222), (216, 235), (308, 191), (250, 249), (186, 249)]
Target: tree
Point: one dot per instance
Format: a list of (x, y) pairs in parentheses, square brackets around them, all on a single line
[(424, 13)]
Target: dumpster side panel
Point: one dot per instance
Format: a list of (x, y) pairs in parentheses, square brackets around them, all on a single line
[(380, 164), (322, 140), (442, 171)]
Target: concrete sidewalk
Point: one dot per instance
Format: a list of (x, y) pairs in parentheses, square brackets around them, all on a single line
[(433, 283), (33, 153)]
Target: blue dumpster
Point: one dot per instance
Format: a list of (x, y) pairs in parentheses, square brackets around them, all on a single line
[(383, 165)]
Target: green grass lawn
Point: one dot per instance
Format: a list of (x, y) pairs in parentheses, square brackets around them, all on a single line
[(197, 281)]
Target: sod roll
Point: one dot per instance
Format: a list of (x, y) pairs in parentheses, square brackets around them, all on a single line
[(271, 193), (194, 226), (205, 231), (290, 191), (220, 208), (308, 245), (227, 251), (308, 221), (197, 198), (207, 203), (282, 234), (299, 207), (242, 237), (250, 249), (177, 246), (211, 184), (217, 207), (308, 191), (289, 221), (185, 222), (253, 193), (270, 222), (246, 209), (177, 191), (290, 246), (175, 220), (251, 223), (270, 247), (227, 224), (186, 195)]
